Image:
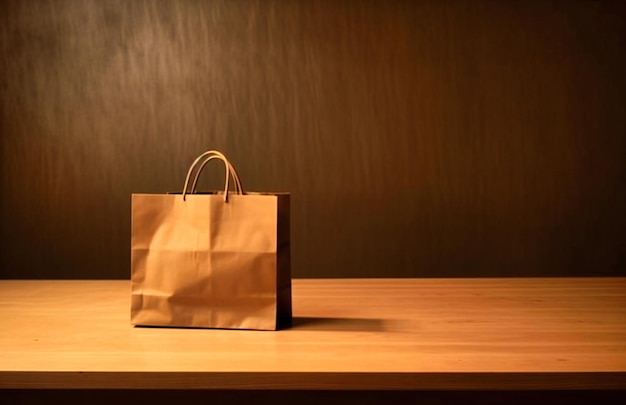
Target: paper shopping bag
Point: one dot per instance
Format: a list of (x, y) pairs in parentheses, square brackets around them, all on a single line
[(211, 260)]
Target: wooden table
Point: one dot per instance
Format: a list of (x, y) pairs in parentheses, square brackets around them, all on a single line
[(348, 334)]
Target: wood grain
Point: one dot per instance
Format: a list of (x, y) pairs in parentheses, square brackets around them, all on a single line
[(418, 138), (553, 333)]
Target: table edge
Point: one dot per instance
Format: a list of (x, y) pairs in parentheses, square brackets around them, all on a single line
[(315, 381)]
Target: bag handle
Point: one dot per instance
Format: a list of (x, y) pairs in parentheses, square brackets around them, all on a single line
[(201, 161), (233, 174)]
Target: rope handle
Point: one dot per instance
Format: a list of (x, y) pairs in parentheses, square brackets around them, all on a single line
[(200, 162), (233, 173)]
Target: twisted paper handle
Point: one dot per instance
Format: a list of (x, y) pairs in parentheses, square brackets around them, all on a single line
[(200, 162)]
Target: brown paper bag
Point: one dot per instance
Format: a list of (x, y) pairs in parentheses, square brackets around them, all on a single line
[(215, 260)]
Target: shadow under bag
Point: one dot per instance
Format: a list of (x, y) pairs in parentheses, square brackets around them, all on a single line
[(211, 260)]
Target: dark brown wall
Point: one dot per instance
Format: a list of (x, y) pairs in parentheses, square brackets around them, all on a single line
[(419, 138)]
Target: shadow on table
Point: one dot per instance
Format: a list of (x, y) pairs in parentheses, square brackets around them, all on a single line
[(338, 324)]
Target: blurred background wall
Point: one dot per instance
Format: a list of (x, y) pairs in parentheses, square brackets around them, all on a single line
[(418, 138)]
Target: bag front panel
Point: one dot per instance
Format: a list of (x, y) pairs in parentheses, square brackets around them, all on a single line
[(203, 262)]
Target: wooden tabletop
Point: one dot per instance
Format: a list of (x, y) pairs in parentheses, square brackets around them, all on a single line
[(525, 333)]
